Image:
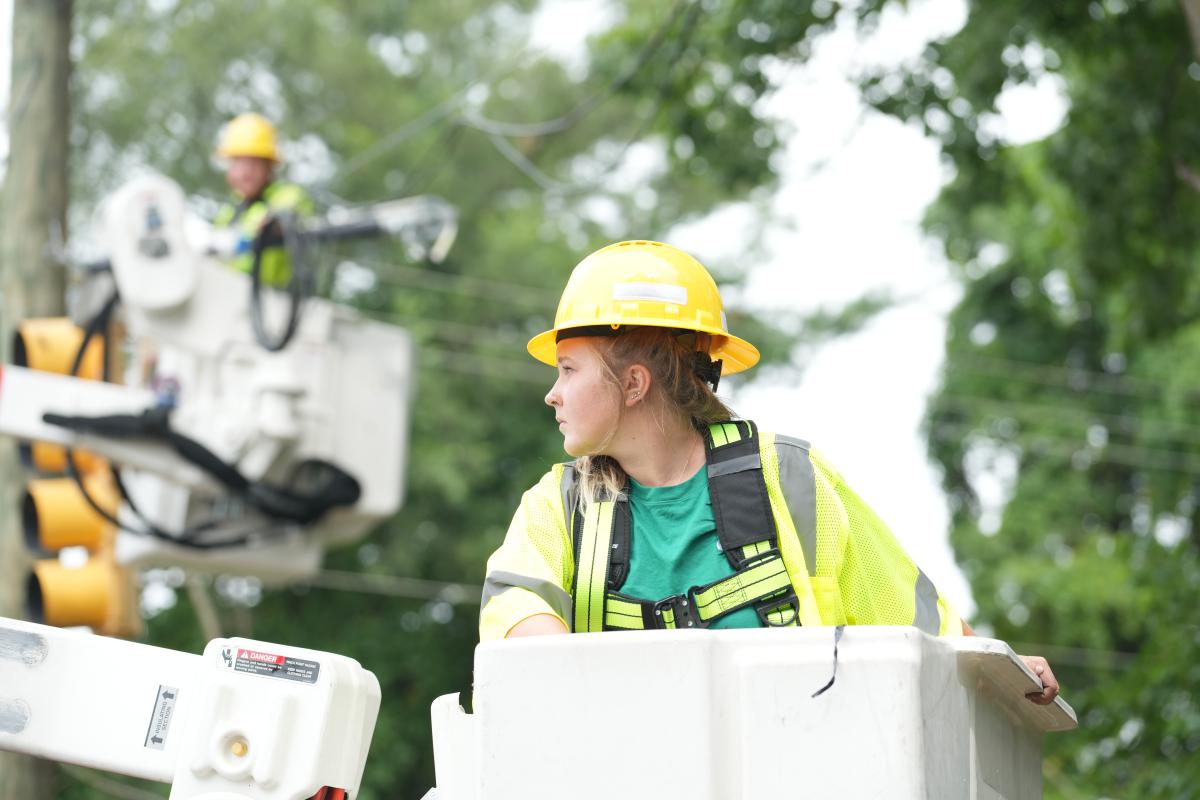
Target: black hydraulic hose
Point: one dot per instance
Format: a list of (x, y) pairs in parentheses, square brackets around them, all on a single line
[(94, 326), (185, 538), (337, 487), (278, 227)]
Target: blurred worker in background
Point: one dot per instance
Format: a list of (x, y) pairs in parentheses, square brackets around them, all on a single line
[(250, 152), (676, 514)]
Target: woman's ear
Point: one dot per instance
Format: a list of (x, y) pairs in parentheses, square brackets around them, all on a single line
[(636, 385)]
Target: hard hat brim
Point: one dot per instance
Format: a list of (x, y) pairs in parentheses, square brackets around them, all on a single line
[(735, 354)]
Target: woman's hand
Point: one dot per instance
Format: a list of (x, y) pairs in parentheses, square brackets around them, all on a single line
[(1049, 689), (1040, 667)]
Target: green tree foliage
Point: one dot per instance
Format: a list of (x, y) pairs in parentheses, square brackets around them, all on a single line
[(1068, 374), (394, 99)]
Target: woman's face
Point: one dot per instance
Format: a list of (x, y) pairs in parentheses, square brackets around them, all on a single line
[(586, 405)]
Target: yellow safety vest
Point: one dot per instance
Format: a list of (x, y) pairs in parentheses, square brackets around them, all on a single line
[(843, 564), (248, 217)]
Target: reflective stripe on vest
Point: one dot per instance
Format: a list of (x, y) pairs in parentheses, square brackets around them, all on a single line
[(799, 487), (745, 530)]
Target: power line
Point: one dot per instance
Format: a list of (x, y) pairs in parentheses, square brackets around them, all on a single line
[(450, 109), (527, 167), (491, 370), (406, 131), (454, 331), (470, 364), (1076, 656), (548, 183), (1075, 378), (442, 111), (436, 280), (422, 179), (398, 275), (456, 286), (1041, 412), (393, 274), (572, 117), (1126, 455), (397, 586)]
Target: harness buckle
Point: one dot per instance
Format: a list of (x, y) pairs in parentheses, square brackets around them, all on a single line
[(778, 603), (683, 610)]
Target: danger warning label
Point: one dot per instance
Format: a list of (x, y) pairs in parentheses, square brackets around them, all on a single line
[(273, 665)]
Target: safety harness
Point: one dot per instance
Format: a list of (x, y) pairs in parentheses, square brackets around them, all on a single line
[(745, 530)]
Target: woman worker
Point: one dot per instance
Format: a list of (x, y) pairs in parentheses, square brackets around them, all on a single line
[(674, 513)]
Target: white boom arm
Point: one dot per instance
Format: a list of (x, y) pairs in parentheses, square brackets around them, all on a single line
[(338, 393), (246, 719)]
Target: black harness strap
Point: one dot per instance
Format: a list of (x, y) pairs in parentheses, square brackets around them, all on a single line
[(740, 504), (618, 552), (746, 533)]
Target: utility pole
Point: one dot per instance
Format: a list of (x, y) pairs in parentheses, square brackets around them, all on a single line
[(33, 224)]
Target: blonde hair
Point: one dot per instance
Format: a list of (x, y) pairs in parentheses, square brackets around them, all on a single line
[(675, 391)]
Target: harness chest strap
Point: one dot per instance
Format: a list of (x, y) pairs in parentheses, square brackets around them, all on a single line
[(745, 530)]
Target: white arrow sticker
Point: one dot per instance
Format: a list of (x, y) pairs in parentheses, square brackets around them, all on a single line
[(160, 719)]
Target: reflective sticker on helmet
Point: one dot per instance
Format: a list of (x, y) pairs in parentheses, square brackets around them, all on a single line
[(663, 292), (724, 322)]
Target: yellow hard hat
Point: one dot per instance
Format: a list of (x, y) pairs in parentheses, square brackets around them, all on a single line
[(643, 283), (249, 135)]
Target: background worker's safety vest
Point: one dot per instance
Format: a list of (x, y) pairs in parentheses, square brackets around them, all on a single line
[(247, 217), (842, 563)]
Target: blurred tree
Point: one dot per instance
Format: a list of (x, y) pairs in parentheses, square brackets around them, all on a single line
[(656, 120), (32, 224), (1064, 424)]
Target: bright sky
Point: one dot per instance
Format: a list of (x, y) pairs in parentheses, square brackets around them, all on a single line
[(853, 188)]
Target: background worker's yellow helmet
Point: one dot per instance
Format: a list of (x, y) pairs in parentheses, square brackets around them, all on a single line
[(644, 283), (249, 135)]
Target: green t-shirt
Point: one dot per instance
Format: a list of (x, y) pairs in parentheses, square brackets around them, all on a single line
[(674, 544)]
